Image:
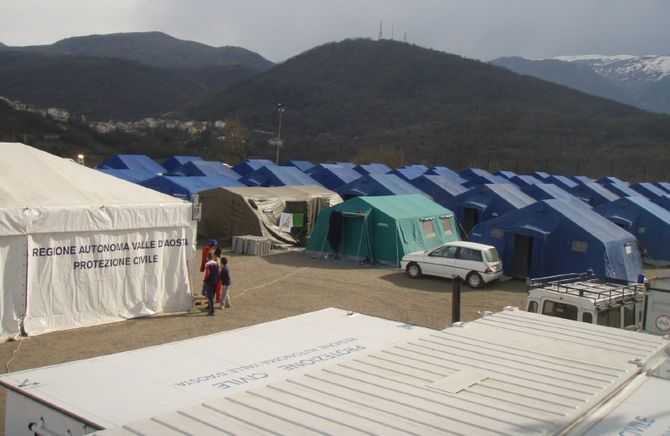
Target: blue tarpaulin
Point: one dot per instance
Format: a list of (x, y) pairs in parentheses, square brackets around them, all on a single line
[(593, 193), (277, 176), (176, 161), (485, 202), (332, 176), (204, 168), (377, 185), (478, 176), (186, 187), (132, 162), (249, 165), (648, 190), (372, 168), (562, 182), (446, 172), (302, 165), (548, 191), (557, 237), (440, 188)]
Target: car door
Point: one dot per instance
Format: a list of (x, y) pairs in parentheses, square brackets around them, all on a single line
[(468, 259), (441, 261)]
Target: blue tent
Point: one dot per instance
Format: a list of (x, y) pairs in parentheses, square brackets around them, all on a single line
[(134, 176), (203, 168), (648, 190), (541, 175), (562, 182), (557, 237), (664, 202), (485, 202), (409, 172), (583, 179), (372, 168), (648, 222), (332, 176), (249, 165), (478, 176), (611, 179), (186, 187), (440, 188), (548, 191), (373, 185), (524, 180), (621, 189), (302, 165), (506, 174), (664, 185), (446, 172), (176, 161), (593, 193), (277, 176), (132, 162), (346, 164)]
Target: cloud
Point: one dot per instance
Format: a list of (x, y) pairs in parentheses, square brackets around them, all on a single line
[(482, 29)]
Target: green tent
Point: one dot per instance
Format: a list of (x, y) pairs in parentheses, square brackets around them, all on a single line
[(382, 229)]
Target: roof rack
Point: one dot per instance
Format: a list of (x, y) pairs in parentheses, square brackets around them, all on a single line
[(601, 291)]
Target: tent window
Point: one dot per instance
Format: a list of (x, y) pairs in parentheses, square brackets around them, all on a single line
[(580, 246), (641, 230), (497, 233), (428, 228), (587, 317), (629, 249), (446, 226), (532, 306)]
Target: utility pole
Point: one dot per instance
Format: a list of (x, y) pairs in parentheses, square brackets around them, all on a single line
[(280, 110)]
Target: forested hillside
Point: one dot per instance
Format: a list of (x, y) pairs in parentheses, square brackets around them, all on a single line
[(356, 97)]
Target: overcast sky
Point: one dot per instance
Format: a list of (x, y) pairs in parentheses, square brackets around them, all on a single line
[(481, 29)]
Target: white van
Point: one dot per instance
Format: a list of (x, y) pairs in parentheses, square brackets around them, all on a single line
[(475, 263)]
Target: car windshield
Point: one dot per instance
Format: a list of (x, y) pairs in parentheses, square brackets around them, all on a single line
[(491, 255)]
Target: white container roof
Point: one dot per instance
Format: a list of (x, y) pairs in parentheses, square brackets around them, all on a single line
[(329, 371)]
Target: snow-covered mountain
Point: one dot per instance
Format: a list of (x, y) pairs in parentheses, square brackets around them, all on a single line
[(625, 67), (642, 81)]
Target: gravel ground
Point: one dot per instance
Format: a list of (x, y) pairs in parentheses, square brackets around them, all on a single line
[(269, 288)]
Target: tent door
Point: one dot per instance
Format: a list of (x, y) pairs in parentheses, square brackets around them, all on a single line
[(470, 219), (354, 237), (523, 248)]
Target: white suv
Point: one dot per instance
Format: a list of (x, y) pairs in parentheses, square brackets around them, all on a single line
[(475, 263)]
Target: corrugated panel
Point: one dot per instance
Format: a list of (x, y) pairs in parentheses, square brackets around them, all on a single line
[(535, 375)]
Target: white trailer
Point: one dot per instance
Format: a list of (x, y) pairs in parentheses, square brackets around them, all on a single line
[(337, 372)]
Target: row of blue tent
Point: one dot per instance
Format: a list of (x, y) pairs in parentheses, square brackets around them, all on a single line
[(476, 196)]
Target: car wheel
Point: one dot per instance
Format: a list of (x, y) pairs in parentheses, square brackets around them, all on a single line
[(414, 270), (474, 280)]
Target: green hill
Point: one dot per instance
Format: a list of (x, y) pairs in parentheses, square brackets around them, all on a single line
[(108, 88), (429, 106), (156, 49)]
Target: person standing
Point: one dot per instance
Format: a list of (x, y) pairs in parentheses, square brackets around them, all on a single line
[(217, 258), (225, 281), (210, 282), (209, 248)]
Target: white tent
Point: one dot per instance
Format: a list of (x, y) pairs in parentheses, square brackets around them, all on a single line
[(79, 247)]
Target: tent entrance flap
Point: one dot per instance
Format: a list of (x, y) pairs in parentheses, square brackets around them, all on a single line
[(354, 237), (470, 219), (523, 249)]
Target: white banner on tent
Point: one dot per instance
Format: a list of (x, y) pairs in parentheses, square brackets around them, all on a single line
[(76, 280)]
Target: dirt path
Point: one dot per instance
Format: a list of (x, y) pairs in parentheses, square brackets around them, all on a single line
[(265, 289)]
